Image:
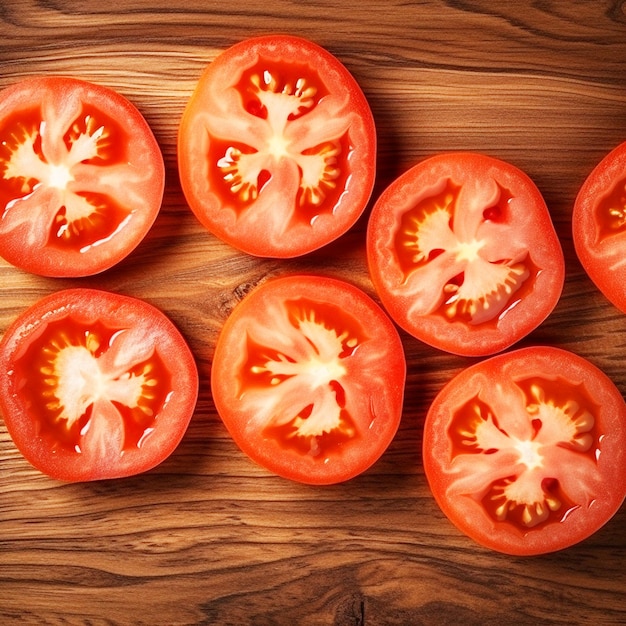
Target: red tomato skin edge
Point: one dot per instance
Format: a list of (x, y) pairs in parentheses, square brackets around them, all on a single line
[(31, 323), (254, 245), (397, 372), (598, 183), (575, 530), (55, 264), (475, 342)]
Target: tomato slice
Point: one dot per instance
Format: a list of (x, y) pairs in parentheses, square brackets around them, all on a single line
[(95, 385), (81, 177), (277, 147), (308, 377), (525, 452), (463, 253), (599, 226)]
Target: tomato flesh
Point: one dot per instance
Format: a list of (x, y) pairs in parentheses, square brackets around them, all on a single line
[(30, 164), (66, 384), (81, 177), (102, 218), (463, 253), (88, 390), (241, 173), (309, 386), (277, 155), (476, 290), (524, 451), (611, 211), (599, 225), (312, 427), (279, 94), (559, 415)]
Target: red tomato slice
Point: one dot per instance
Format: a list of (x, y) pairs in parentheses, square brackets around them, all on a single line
[(308, 377), (81, 177), (599, 226), (277, 147), (95, 385), (463, 253), (525, 452)]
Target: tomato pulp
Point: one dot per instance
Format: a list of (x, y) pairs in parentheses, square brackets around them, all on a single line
[(525, 452), (599, 226), (277, 147), (308, 376), (463, 253), (81, 177), (95, 385)]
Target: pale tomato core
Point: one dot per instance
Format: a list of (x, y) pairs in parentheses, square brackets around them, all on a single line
[(475, 288), (74, 396), (299, 393), (78, 218), (517, 485), (280, 96)]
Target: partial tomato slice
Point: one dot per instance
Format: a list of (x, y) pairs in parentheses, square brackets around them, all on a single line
[(81, 177), (308, 376), (525, 452), (95, 385), (463, 253), (599, 226), (277, 147)]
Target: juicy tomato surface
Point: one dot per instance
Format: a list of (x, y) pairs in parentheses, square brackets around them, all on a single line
[(81, 177), (95, 385), (463, 253), (277, 147), (308, 376), (599, 226), (525, 452)]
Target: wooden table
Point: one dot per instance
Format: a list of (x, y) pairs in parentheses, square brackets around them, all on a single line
[(208, 537)]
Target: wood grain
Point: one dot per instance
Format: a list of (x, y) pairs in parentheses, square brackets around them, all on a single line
[(209, 538)]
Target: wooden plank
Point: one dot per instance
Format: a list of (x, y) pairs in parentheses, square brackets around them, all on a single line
[(207, 537)]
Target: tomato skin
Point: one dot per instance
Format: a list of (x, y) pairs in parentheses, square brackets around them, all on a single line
[(271, 182), (81, 176), (532, 396), (302, 354), (599, 226), (440, 236), (50, 353)]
